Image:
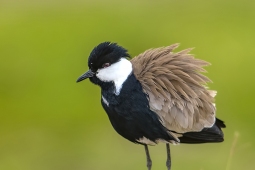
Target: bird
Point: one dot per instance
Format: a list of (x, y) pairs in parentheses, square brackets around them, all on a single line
[(158, 96)]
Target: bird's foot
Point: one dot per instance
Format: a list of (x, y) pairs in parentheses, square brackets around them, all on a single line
[(168, 164), (149, 164)]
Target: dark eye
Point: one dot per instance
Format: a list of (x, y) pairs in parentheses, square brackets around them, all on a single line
[(106, 65)]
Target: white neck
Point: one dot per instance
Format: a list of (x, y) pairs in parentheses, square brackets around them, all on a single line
[(117, 72)]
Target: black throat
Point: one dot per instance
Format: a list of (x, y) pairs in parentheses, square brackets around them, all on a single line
[(130, 86), (129, 111)]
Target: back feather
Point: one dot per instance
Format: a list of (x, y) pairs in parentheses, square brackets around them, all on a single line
[(176, 89)]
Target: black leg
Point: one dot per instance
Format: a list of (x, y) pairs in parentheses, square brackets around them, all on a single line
[(149, 162), (168, 160)]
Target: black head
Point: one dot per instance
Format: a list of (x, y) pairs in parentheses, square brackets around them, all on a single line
[(106, 54), (102, 56)]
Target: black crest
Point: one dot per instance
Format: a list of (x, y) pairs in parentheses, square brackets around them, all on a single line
[(106, 52)]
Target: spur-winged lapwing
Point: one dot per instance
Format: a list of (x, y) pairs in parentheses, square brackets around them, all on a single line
[(158, 96)]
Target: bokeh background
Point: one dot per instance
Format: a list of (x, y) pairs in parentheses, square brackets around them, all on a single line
[(49, 122)]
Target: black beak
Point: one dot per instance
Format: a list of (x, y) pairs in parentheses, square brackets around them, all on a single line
[(85, 75)]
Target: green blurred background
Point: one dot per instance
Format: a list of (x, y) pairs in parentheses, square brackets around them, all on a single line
[(48, 122)]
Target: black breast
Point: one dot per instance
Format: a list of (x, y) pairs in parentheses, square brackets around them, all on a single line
[(130, 114)]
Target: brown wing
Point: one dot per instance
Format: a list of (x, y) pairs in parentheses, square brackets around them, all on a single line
[(176, 89)]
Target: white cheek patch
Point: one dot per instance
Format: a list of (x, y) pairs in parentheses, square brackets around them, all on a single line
[(117, 72)]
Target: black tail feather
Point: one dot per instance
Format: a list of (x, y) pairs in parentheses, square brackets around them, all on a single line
[(220, 123), (207, 135)]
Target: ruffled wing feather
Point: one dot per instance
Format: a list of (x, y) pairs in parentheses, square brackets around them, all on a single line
[(176, 88)]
